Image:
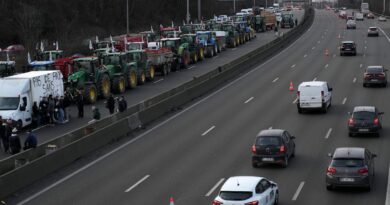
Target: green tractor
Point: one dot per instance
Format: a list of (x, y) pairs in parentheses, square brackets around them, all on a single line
[(196, 50), (233, 37), (145, 69), (257, 23), (122, 73), (287, 21), (182, 56), (90, 78)]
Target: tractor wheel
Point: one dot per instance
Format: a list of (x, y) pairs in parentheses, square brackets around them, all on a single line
[(104, 86), (119, 84), (132, 79), (142, 78), (90, 93), (195, 58), (152, 73), (201, 54)]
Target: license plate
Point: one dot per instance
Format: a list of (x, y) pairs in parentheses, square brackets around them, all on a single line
[(268, 159), (347, 49), (347, 179), (363, 130), (374, 80)]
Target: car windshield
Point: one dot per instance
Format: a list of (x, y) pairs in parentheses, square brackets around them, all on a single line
[(347, 162), (9, 103), (268, 141), (374, 70), (363, 115), (373, 29), (348, 45), (235, 195)]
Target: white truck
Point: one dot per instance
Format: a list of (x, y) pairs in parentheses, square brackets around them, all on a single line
[(19, 92), (364, 8)]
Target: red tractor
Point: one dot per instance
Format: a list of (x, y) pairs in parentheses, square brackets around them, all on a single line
[(65, 65)]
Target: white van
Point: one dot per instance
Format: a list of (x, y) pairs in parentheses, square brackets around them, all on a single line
[(314, 95)]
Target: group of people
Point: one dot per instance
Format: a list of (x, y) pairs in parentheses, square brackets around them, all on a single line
[(10, 140), (110, 105), (51, 110)]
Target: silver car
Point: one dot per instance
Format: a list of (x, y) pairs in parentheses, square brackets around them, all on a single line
[(351, 24), (350, 167), (373, 31)]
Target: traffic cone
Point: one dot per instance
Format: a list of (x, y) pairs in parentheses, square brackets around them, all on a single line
[(326, 52), (291, 87), (171, 202)]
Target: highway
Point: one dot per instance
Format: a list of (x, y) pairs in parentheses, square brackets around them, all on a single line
[(159, 85), (188, 155)]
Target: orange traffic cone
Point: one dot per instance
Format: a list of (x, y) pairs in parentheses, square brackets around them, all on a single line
[(326, 52), (291, 87), (171, 202)]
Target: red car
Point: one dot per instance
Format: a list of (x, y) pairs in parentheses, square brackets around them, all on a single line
[(370, 16), (14, 48)]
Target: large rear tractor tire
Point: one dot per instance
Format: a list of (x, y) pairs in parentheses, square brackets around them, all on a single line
[(152, 73), (104, 86), (90, 93), (119, 84), (132, 79), (142, 78)]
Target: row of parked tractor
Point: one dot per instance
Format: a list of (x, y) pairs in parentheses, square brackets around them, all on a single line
[(126, 61)]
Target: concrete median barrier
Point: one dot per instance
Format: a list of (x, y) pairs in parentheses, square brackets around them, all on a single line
[(25, 168)]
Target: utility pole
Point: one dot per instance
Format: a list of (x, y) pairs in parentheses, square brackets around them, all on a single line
[(127, 17), (234, 6), (199, 10), (188, 12), (384, 7)]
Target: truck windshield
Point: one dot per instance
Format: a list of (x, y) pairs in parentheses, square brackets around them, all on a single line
[(7, 103), (82, 64)]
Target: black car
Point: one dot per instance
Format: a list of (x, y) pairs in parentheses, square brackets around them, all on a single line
[(375, 75), (348, 48), (350, 167), (273, 146), (365, 120)]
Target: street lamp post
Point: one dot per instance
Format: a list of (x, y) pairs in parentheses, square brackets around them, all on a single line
[(234, 6), (199, 10), (127, 17), (188, 11)]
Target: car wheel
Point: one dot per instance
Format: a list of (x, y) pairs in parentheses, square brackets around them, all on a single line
[(276, 201), (299, 109), (329, 187), (293, 154), (255, 165), (350, 134), (364, 85), (377, 134), (285, 162)]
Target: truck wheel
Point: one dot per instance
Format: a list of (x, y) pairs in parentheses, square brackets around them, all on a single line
[(104, 86), (119, 84), (132, 79), (152, 73), (142, 78), (90, 94)]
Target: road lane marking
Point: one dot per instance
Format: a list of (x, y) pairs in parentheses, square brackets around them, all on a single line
[(344, 101), (295, 101), (318, 42), (314, 79), (215, 57), (364, 55), (157, 81), (327, 65), (388, 189), (152, 129), (209, 130), (298, 191), (313, 48), (270, 128), (354, 80), (250, 99), (136, 184), (361, 65), (328, 133), (234, 49), (365, 42), (215, 187), (365, 47), (191, 67), (384, 33), (276, 79), (334, 55), (305, 56), (293, 66)]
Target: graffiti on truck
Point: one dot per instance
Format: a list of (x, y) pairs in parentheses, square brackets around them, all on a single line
[(48, 83)]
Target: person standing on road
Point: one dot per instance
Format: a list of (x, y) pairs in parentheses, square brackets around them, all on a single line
[(36, 115), (5, 135), (80, 104), (296, 21), (31, 141), (122, 104), (51, 109), (1, 133), (110, 104), (95, 113), (68, 99), (14, 142)]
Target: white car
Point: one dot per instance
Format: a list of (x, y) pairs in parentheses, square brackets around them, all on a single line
[(381, 18), (359, 16), (314, 95), (244, 190)]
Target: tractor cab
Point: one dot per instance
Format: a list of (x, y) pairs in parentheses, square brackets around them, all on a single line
[(84, 70), (7, 68), (51, 55), (172, 43)]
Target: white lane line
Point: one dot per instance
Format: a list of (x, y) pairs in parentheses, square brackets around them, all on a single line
[(305, 56), (365, 47), (122, 146), (388, 190), (314, 79), (215, 57), (191, 67), (157, 81), (354, 80), (361, 65), (215, 187), (344, 101), (250, 99), (298, 191), (313, 48), (276, 79), (327, 65), (295, 101), (209, 130), (318, 42), (270, 128), (136, 184), (365, 42), (384, 33), (364, 55), (234, 49), (334, 55), (293, 66), (328, 133)]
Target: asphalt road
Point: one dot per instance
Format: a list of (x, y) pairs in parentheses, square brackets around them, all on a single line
[(188, 154), (160, 85)]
